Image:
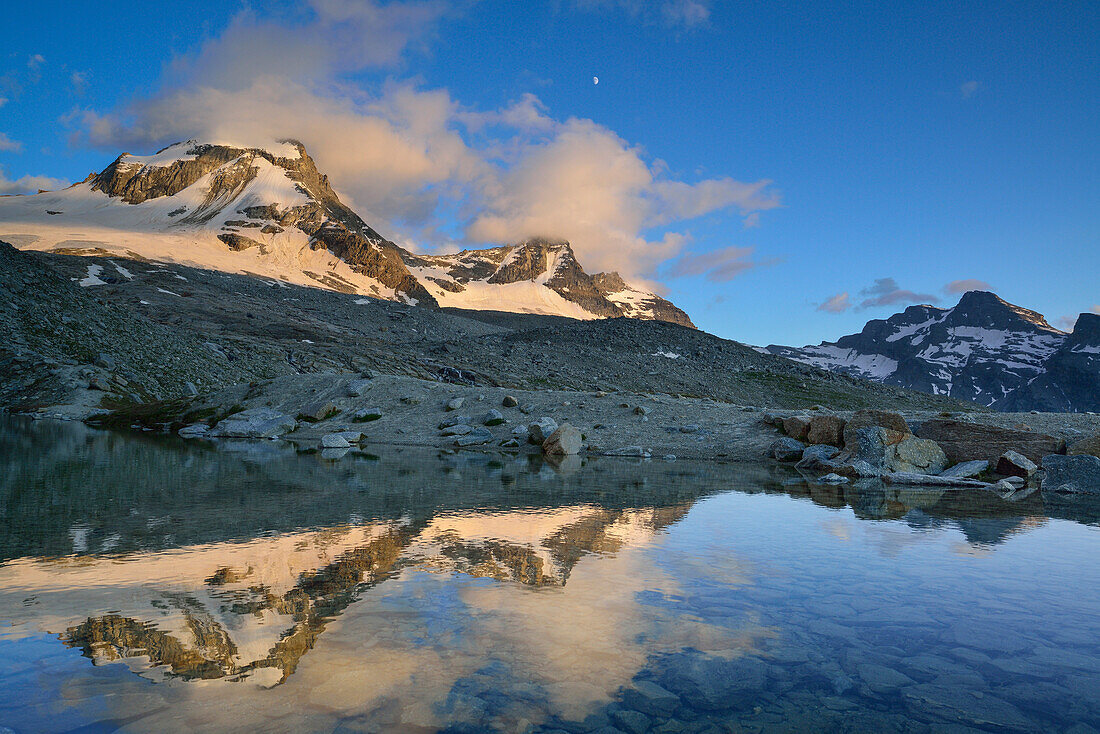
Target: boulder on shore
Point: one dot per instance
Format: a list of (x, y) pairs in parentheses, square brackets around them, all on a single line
[(1079, 473), (895, 425), (254, 423), (967, 469), (918, 455), (1015, 464), (796, 426), (541, 429), (826, 429), (565, 441), (963, 441), (1089, 446), (786, 449)]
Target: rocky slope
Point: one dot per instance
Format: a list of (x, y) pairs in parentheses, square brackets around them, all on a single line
[(268, 211), (984, 349), (229, 329), (536, 276)]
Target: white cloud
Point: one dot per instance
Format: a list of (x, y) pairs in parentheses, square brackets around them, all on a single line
[(3, 101), (836, 304), (29, 184), (79, 82), (968, 284), (414, 162), (9, 145), (35, 60), (969, 89)]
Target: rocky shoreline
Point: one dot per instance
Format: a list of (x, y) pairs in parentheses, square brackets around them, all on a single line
[(338, 414)]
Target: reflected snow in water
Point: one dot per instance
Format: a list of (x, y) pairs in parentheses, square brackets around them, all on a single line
[(153, 585)]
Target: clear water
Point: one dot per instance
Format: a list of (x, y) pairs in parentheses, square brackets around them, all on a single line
[(155, 585)]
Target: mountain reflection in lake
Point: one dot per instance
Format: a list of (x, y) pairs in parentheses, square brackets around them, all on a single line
[(156, 585)]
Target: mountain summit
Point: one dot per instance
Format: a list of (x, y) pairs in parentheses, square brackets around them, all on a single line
[(268, 211), (984, 349)]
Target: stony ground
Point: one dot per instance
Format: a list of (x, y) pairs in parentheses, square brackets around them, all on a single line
[(412, 410), (146, 331)]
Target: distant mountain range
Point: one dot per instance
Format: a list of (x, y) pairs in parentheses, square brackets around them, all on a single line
[(984, 350), (268, 211)]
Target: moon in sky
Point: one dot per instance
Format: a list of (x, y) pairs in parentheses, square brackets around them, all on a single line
[(595, 80)]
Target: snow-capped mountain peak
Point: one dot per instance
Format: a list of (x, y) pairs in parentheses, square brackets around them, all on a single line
[(984, 349), (265, 209)]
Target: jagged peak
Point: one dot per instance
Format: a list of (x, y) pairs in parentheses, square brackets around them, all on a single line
[(975, 304), (1087, 328)]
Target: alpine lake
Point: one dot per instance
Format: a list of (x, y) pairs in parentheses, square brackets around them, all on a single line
[(150, 584)]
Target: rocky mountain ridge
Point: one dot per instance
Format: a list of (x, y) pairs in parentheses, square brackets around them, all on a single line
[(269, 211), (984, 349)]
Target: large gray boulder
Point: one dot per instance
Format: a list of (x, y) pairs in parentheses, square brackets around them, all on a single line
[(254, 423), (786, 449), (818, 457), (867, 444), (918, 455), (1079, 473)]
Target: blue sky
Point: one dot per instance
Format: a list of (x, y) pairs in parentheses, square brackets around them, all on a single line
[(907, 146)]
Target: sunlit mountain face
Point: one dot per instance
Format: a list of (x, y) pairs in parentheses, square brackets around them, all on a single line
[(153, 584)]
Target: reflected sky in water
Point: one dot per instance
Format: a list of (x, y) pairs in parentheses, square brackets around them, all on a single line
[(151, 585)]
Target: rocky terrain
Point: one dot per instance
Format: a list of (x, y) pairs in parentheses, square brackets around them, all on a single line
[(268, 211), (984, 350), (230, 329)]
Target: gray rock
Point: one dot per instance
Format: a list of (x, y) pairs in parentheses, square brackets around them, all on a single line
[(105, 361), (919, 455), (966, 469), (195, 430), (459, 429), (318, 410), (356, 388), (817, 455), (520, 432), (254, 423), (930, 480), (637, 451), (833, 479), (365, 415), (527, 409), (492, 418), (541, 429), (689, 428), (509, 402), (867, 444), (1005, 486), (455, 420), (190, 389), (334, 441), (565, 441), (349, 436), (786, 449), (1015, 464), (476, 437), (641, 410), (858, 470), (1080, 473), (631, 721), (455, 403)]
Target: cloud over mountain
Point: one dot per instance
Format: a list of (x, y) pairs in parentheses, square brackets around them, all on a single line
[(439, 173)]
